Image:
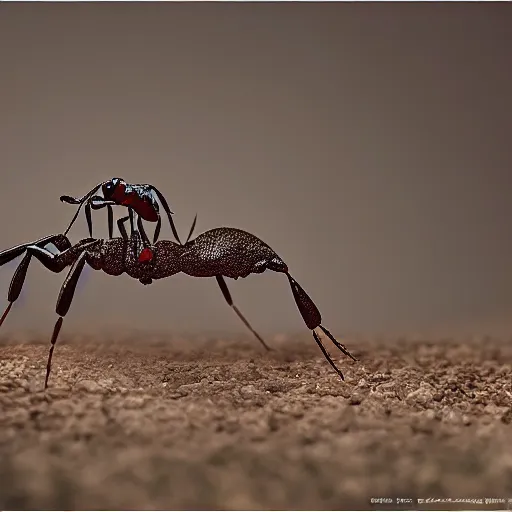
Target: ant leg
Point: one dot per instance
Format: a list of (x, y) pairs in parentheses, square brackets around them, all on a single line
[(327, 356), (229, 300), (88, 217), (132, 224), (20, 274), (337, 343), (16, 284), (137, 235), (110, 213), (313, 319), (70, 200), (98, 202), (159, 225), (157, 229), (169, 213), (191, 229), (121, 227), (66, 294), (80, 201), (146, 253), (306, 306), (60, 241), (144, 236), (132, 232)]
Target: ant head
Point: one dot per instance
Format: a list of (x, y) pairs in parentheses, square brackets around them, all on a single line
[(110, 186)]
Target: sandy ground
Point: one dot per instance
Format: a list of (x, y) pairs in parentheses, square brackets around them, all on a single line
[(152, 423)]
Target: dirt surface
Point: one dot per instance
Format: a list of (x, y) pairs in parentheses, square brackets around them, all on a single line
[(193, 424)]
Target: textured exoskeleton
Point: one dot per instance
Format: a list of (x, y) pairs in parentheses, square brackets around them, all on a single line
[(220, 252)]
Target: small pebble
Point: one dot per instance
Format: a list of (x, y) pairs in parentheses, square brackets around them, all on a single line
[(355, 399), (88, 386)]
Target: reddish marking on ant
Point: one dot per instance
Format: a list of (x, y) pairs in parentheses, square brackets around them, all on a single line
[(146, 255)]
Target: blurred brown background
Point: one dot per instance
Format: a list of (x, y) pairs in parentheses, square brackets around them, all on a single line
[(368, 144)]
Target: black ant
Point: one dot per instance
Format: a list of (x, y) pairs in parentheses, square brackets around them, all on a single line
[(219, 253), (138, 198)]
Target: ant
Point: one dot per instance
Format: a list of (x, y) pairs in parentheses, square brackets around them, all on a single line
[(219, 252), (139, 198)]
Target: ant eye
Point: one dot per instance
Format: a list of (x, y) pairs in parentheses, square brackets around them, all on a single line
[(108, 189)]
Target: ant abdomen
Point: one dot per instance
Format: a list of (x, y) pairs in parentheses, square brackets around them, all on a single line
[(229, 252)]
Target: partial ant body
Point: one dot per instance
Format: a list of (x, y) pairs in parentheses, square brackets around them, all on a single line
[(220, 252), (138, 198)]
